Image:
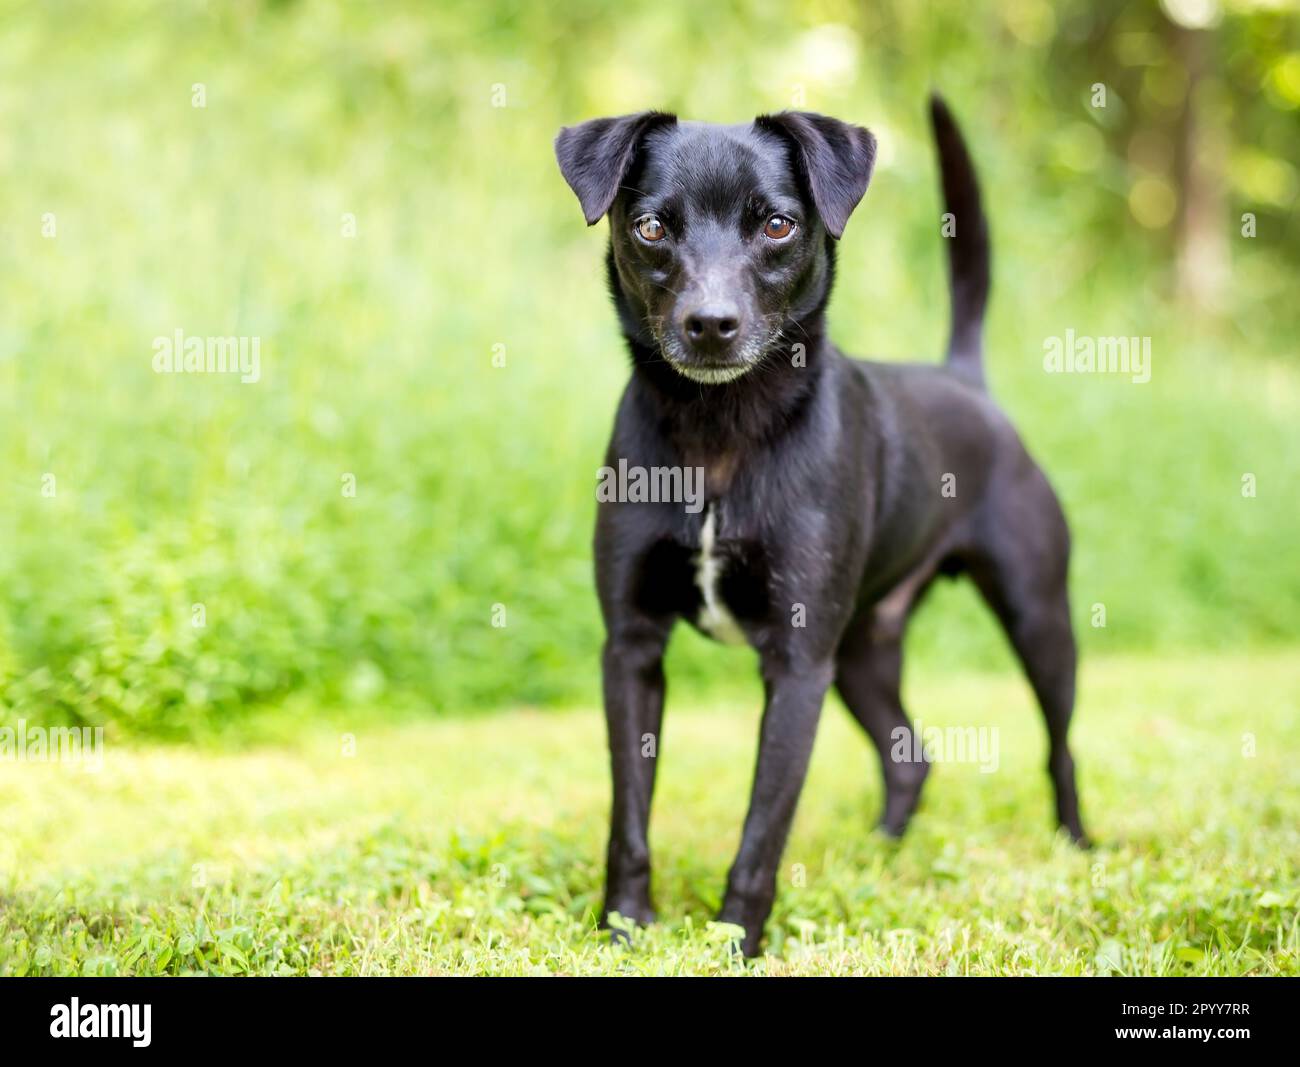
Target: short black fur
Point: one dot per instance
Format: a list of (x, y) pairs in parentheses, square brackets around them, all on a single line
[(835, 490)]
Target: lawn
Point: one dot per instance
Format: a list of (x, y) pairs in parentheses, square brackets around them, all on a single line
[(472, 845)]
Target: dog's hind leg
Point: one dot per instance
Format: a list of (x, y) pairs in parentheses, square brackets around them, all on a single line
[(1022, 576), (868, 676)]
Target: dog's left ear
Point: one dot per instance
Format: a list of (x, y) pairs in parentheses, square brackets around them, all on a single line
[(596, 156), (834, 158)]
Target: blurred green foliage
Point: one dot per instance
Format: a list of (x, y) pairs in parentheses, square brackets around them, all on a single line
[(474, 482)]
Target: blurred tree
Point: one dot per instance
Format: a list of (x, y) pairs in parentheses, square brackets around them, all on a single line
[(1200, 227), (1198, 119)]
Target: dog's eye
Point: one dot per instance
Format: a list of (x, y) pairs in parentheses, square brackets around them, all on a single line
[(778, 228), (650, 228)]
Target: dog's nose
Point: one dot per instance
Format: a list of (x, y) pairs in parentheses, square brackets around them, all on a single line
[(715, 324)]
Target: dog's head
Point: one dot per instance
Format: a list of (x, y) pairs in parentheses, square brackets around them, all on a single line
[(719, 235)]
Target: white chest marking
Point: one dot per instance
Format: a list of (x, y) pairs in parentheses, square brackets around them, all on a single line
[(714, 617)]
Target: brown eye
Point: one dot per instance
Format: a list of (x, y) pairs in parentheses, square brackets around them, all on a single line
[(778, 228), (650, 228)]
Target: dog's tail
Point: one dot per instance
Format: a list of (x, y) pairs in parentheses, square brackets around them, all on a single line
[(967, 235)]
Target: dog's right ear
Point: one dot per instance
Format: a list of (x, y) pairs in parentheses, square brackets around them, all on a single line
[(596, 156)]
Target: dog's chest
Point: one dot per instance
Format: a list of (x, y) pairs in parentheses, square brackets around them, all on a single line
[(715, 617)]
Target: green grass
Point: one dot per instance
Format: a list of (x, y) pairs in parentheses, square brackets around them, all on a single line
[(472, 846)]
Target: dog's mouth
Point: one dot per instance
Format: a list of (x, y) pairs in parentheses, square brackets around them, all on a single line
[(710, 374), (712, 370)]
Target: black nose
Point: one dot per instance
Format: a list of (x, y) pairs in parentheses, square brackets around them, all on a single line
[(712, 325)]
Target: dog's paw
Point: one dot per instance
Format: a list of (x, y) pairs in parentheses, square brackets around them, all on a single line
[(621, 922), (742, 936), (902, 797), (730, 935)]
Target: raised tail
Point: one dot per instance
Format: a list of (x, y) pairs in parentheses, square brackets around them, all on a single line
[(968, 245)]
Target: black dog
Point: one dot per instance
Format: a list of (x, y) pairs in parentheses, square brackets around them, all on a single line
[(835, 491)]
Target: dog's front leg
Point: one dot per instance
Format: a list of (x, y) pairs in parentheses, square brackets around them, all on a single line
[(632, 668), (795, 690)]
